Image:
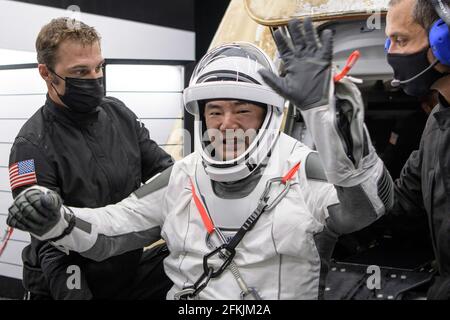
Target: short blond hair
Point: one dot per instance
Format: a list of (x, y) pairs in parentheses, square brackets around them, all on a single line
[(58, 30)]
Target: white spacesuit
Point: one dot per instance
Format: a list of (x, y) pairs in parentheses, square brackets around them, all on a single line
[(259, 226)]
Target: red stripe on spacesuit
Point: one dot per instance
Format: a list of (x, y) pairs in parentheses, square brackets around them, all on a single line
[(204, 214), (291, 173), (205, 217)]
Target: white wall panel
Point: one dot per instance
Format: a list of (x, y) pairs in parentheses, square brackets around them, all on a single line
[(121, 39), (20, 235), (159, 129), (9, 128), (11, 260), (4, 154), (4, 179), (16, 57), (17, 234), (20, 106), (12, 253), (11, 271), (152, 105), (5, 201), (147, 78), (21, 81)]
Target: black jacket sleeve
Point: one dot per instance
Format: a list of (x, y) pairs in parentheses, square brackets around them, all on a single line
[(53, 262), (153, 158), (408, 188), (24, 149)]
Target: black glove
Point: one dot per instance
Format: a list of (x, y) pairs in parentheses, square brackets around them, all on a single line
[(36, 210), (307, 65)]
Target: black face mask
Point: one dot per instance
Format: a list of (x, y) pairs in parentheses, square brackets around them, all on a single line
[(82, 95), (407, 68)]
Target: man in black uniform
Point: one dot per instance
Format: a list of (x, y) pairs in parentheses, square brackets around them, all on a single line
[(93, 151), (421, 67)]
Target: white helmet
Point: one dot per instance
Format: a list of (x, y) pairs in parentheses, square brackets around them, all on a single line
[(231, 72)]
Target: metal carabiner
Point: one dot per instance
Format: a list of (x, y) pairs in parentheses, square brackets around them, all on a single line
[(279, 197), (192, 291), (251, 292), (184, 294), (229, 255), (211, 246)]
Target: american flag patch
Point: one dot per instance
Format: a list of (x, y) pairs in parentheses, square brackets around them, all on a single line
[(22, 173)]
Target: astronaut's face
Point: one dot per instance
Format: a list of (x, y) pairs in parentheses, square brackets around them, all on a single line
[(232, 126)]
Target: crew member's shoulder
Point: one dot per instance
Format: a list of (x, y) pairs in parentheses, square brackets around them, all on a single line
[(309, 159), (175, 177), (34, 129), (438, 115), (293, 146), (313, 168), (114, 105), (188, 164)]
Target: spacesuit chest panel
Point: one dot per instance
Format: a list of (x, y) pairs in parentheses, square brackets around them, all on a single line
[(230, 214)]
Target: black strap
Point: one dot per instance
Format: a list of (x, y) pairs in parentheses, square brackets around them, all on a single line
[(248, 225), (71, 219), (228, 249)]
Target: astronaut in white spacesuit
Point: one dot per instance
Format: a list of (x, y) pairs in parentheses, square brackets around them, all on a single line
[(247, 215)]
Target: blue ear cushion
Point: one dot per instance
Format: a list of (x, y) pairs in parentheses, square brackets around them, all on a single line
[(440, 41), (387, 45)]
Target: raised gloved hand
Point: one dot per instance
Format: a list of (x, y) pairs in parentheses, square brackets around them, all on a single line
[(307, 65), (334, 114), (39, 211)]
